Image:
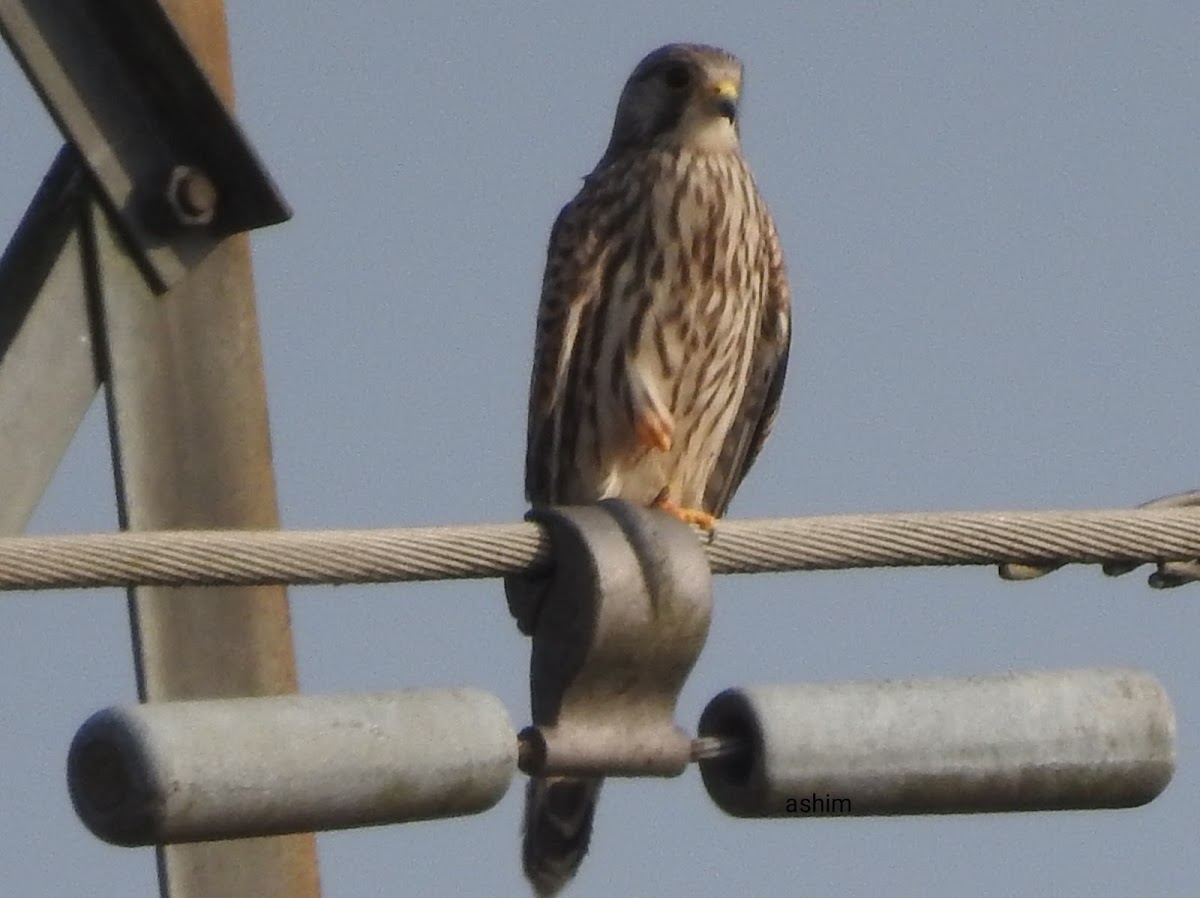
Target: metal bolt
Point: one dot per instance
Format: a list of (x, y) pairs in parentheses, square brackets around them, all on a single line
[(192, 196)]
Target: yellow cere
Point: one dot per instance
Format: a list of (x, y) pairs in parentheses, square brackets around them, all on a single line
[(726, 90)]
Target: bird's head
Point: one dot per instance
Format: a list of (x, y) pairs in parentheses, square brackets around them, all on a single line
[(681, 95)]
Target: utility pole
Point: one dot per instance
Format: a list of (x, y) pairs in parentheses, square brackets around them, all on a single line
[(191, 449), (132, 269)]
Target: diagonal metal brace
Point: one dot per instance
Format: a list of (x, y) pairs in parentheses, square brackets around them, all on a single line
[(616, 629), (49, 367), (169, 159)]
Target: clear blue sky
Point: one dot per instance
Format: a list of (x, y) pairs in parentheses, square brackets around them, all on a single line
[(991, 215)]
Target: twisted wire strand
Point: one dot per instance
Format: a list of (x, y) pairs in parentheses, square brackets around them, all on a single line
[(955, 538), (831, 542)]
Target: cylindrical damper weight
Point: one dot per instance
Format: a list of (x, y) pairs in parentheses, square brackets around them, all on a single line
[(234, 768), (1096, 738)]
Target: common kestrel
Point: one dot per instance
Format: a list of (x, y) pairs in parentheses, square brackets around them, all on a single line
[(662, 342)]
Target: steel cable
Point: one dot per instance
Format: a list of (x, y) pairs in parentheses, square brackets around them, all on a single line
[(831, 542)]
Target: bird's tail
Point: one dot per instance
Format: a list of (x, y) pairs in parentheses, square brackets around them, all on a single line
[(558, 827)]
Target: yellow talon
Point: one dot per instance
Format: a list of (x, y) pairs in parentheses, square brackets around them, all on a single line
[(701, 519), (653, 433)]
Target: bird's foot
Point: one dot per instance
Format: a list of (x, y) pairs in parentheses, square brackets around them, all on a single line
[(701, 519), (653, 432)]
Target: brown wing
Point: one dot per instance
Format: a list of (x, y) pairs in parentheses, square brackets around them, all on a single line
[(760, 403), (569, 290)]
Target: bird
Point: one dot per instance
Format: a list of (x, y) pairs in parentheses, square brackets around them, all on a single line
[(661, 344)]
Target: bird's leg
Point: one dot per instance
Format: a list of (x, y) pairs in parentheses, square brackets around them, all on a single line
[(652, 431), (701, 519), (655, 428)]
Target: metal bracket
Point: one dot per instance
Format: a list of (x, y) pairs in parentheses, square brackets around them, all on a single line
[(170, 160), (617, 627)]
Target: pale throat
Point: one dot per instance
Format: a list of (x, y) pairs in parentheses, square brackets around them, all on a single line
[(707, 133)]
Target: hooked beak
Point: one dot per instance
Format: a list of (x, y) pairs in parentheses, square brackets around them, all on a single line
[(725, 97)]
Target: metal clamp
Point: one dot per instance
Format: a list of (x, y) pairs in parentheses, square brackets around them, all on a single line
[(617, 627), (1167, 574)]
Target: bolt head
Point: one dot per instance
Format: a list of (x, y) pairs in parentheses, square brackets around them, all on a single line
[(192, 196)]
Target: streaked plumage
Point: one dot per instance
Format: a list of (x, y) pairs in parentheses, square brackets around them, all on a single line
[(662, 341)]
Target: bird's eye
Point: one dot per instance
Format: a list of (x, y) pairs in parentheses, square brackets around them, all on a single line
[(676, 76)]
